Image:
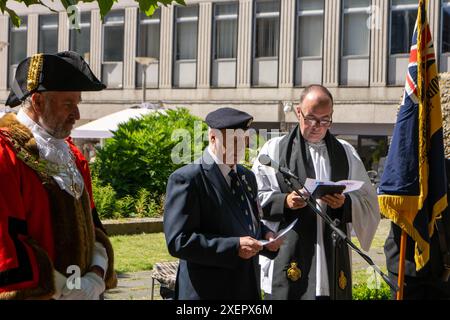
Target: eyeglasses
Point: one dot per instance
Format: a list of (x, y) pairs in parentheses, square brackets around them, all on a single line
[(314, 121)]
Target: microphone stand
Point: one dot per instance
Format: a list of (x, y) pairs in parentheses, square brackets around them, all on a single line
[(338, 235)]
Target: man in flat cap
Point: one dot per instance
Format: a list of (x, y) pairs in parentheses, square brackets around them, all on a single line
[(212, 217), (52, 244)]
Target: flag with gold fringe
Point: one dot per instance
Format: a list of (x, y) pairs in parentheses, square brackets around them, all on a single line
[(413, 190)]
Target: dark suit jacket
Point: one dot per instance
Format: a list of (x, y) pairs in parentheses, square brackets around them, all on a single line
[(202, 224)]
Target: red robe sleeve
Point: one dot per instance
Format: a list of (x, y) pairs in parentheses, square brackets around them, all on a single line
[(26, 270)]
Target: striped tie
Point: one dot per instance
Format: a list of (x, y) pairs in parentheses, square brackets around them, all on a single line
[(238, 192)]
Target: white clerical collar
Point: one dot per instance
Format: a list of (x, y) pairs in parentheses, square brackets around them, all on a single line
[(224, 168), (319, 144)]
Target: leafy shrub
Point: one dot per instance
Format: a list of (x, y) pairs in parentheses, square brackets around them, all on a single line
[(125, 207), (141, 204), (156, 207), (139, 155), (362, 292), (148, 205), (104, 197), (253, 149), (109, 206)]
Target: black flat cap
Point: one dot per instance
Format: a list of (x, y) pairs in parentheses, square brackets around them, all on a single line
[(63, 71), (228, 118)]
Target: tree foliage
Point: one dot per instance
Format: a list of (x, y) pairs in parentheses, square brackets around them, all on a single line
[(146, 6)]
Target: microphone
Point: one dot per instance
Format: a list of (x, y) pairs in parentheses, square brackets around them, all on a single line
[(265, 160)]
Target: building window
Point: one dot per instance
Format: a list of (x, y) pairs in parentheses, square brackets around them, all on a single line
[(354, 68), (18, 42), (186, 33), (225, 44), (225, 30), (445, 30), (48, 33), (113, 37), (80, 39), (309, 42), (17, 48), (267, 26), (148, 39), (148, 47), (185, 57), (356, 33), (113, 47), (403, 20), (309, 28), (266, 43)]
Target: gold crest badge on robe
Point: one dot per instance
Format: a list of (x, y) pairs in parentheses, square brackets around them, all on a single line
[(293, 272)]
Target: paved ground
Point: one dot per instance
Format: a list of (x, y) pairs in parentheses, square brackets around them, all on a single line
[(137, 286), (134, 286)]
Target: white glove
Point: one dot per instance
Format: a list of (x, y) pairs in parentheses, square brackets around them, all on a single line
[(92, 286), (100, 257), (60, 284)]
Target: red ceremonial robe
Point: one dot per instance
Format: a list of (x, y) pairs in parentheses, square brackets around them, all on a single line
[(42, 227)]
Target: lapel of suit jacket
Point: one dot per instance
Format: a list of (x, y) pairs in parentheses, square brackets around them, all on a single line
[(215, 176)]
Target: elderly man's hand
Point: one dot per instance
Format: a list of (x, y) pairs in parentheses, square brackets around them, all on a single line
[(334, 201), (274, 246), (249, 247)]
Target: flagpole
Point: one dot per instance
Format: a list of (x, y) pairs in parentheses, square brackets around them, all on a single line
[(401, 265)]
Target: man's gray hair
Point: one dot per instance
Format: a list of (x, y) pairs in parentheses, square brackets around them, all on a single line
[(26, 104)]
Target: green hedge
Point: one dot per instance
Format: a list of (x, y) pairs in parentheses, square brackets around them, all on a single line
[(130, 172), (110, 206), (362, 292), (139, 155)]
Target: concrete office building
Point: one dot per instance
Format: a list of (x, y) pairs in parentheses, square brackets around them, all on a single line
[(249, 54)]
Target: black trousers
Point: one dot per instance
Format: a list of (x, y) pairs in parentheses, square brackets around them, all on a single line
[(422, 289)]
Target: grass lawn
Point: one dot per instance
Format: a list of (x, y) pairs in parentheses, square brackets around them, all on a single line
[(139, 252), (364, 276), (362, 273)]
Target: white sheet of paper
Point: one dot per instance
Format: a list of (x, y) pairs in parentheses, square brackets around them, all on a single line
[(280, 233), (350, 185)]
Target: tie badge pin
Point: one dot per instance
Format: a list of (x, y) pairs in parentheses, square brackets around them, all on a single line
[(293, 272), (246, 184)]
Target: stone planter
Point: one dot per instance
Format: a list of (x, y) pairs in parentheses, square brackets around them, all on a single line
[(133, 226)]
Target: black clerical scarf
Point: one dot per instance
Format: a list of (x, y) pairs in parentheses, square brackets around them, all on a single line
[(300, 243)]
